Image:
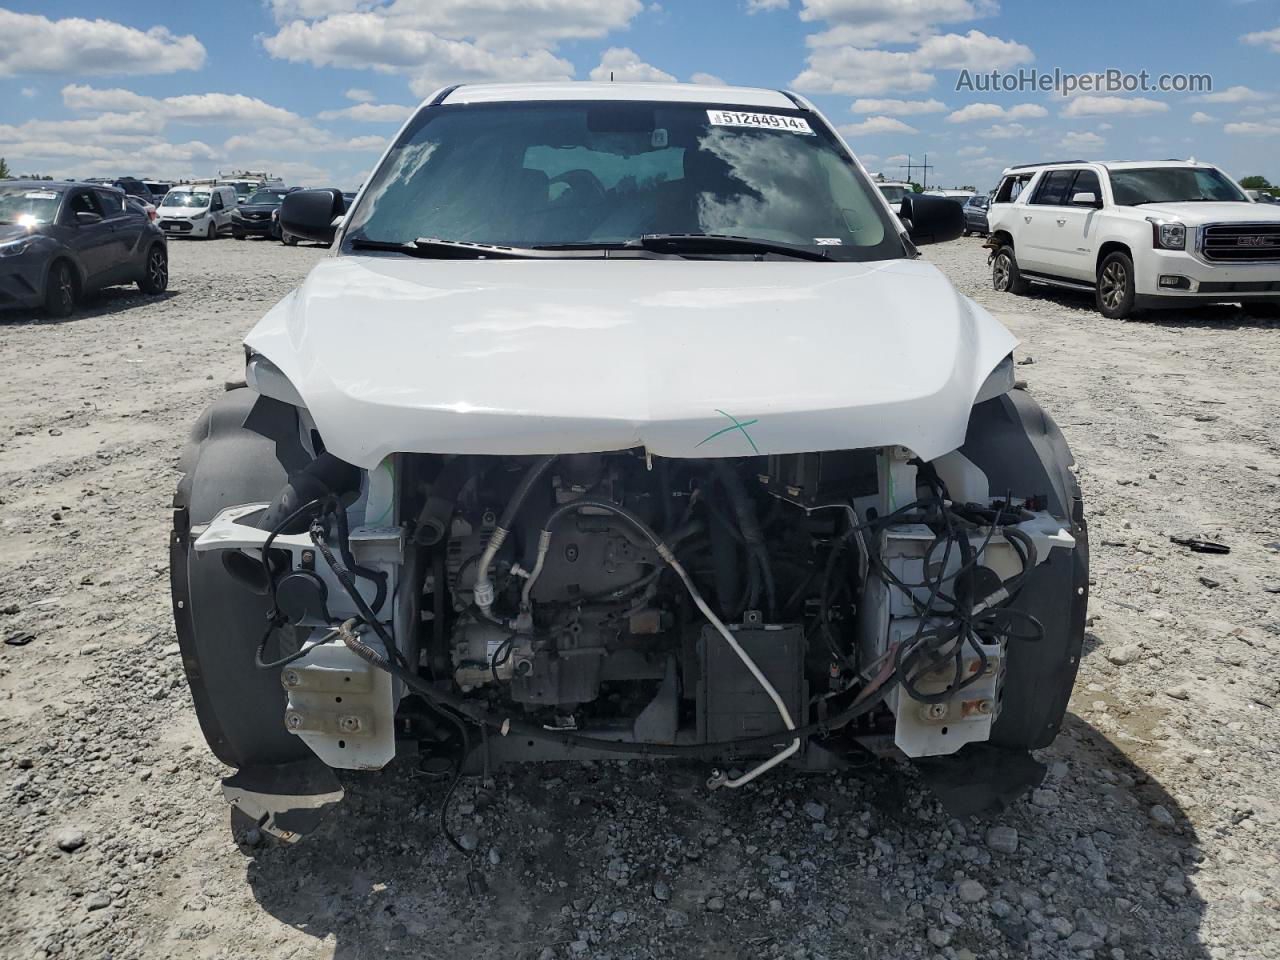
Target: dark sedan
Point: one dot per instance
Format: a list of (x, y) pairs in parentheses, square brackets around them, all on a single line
[(975, 215), (253, 218), (60, 240)]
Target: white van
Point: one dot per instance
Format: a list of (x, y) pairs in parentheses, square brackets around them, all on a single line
[(197, 210)]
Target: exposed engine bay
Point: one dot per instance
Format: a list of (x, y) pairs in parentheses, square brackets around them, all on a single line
[(756, 611)]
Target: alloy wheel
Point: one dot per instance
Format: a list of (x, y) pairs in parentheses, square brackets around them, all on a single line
[(158, 270), (1114, 281), (1000, 272)]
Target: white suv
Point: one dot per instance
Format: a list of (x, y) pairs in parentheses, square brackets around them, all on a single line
[(1137, 234)]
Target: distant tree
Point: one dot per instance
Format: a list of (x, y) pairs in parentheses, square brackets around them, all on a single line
[(1249, 183), (916, 187), (4, 170)]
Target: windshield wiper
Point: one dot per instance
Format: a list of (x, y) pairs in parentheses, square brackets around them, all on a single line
[(437, 249), (712, 243)]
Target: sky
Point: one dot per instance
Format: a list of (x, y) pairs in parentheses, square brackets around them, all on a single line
[(311, 90)]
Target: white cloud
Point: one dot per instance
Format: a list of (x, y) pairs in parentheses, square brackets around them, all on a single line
[(444, 41), (624, 65), (976, 111), (870, 23), (992, 111), (1237, 94), (1082, 141), (1251, 128), (370, 113), (1004, 131), (1264, 38), (763, 6), (360, 95), (1201, 117), (198, 108), (707, 78), (30, 43), (1109, 106), (876, 125), (902, 108), (863, 72), (29, 92), (971, 151)]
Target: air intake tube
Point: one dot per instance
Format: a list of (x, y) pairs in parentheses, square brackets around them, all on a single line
[(324, 476)]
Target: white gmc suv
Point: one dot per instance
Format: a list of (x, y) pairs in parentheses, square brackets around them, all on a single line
[(1138, 234)]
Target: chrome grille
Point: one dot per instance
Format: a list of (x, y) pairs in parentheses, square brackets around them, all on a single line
[(1241, 242)]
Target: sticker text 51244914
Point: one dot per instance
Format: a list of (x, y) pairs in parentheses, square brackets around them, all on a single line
[(764, 121)]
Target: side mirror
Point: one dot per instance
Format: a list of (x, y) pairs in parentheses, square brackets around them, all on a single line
[(311, 214), (931, 219), (1086, 198), (84, 218)]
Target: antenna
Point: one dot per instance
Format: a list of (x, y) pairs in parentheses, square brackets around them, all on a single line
[(611, 76)]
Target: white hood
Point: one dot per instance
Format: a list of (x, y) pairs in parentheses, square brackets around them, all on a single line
[(1198, 212), (392, 354)]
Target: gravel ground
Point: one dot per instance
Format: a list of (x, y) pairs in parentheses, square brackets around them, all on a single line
[(1155, 835)]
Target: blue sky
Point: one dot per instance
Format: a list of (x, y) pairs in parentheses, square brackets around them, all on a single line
[(311, 89)]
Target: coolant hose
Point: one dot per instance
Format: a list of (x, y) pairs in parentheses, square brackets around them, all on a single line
[(433, 521), (745, 511)]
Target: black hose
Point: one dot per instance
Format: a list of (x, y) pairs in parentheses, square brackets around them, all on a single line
[(324, 476), (531, 477), (433, 521), (752, 535)]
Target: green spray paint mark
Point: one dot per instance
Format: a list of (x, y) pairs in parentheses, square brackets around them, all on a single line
[(735, 424)]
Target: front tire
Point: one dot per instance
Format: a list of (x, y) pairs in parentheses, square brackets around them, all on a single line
[(288, 239), (211, 232), (60, 290), (1005, 275), (1115, 293), (155, 280)]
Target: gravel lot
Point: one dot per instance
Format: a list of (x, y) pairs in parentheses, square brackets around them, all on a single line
[(1155, 835)]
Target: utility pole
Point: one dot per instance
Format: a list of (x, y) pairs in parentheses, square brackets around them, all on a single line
[(924, 168)]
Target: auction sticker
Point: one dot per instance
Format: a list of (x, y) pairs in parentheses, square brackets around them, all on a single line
[(764, 121)]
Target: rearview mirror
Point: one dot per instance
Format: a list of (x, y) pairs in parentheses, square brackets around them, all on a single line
[(1086, 198), (931, 219), (310, 214), (84, 218)]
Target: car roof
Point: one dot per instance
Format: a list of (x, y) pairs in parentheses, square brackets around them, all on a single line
[(61, 184), (589, 90), (1106, 164)]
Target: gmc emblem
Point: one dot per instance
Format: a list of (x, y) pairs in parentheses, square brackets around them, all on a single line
[(1253, 241)]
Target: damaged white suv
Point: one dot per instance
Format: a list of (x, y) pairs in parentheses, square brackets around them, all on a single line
[(624, 420)]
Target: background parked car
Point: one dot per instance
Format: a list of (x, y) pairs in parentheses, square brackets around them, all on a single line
[(975, 214), (60, 240), (254, 216), (196, 210)]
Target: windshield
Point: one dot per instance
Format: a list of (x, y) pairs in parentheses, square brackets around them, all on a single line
[(267, 196), (894, 194), (185, 198), (605, 173), (28, 205), (1172, 185)]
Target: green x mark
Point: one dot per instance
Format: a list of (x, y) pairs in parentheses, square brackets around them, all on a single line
[(736, 425)]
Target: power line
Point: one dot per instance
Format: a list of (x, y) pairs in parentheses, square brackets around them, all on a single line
[(924, 168)]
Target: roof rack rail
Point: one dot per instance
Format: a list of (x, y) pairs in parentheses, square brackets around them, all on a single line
[(1044, 163)]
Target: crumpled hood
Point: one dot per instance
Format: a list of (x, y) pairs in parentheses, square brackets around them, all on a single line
[(686, 358), (1196, 213)]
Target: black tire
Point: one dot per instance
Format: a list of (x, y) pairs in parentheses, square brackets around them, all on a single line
[(288, 239), (61, 291), (211, 231), (1005, 276), (1115, 293), (1268, 310), (242, 450), (155, 277), (238, 235)]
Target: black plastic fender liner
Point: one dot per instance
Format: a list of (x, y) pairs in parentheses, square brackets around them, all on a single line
[(1020, 448), (243, 449)]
